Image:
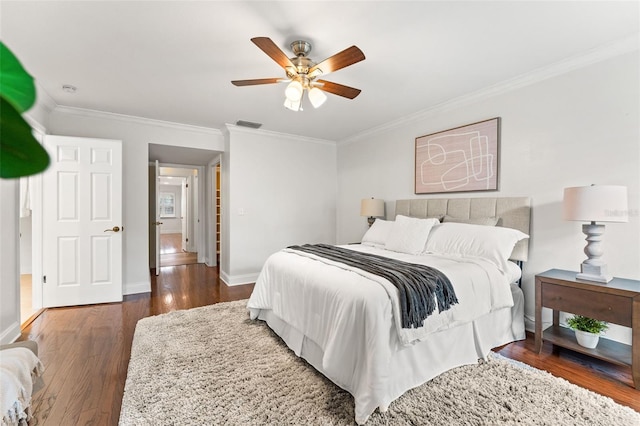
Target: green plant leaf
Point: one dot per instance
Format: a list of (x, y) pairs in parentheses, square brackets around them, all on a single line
[(590, 325), (20, 152), (16, 85)]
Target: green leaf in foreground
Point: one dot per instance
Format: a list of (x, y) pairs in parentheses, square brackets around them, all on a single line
[(16, 85), (20, 152)]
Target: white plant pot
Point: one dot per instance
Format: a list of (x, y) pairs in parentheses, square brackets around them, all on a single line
[(586, 339)]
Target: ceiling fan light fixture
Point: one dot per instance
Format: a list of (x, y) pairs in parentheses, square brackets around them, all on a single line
[(292, 105), (317, 97), (302, 72), (294, 91)]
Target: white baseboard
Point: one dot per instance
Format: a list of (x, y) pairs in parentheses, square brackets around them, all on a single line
[(10, 334), (135, 288), (238, 279)]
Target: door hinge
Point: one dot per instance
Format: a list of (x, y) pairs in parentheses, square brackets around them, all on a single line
[(44, 279), (187, 240), (187, 185)]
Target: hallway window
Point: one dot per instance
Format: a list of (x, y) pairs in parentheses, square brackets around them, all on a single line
[(167, 204)]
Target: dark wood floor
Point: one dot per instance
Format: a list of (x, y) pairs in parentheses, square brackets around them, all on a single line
[(86, 349), (171, 253)]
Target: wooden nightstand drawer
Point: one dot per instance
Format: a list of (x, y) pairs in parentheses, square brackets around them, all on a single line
[(607, 307)]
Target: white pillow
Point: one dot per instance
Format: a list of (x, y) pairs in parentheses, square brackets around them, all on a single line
[(376, 236), (409, 234), (493, 243), (487, 221)]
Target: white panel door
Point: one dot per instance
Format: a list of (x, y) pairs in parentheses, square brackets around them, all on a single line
[(82, 218)]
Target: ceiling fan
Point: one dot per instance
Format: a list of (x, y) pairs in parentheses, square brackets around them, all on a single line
[(302, 73)]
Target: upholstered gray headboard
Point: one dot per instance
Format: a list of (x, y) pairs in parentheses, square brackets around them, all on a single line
[(514, 212)]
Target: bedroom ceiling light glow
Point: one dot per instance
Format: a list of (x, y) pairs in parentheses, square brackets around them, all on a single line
[(294, 91), (595, 203), (317, 97), (292, 105)]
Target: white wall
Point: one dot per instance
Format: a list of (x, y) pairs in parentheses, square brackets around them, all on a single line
[(9, 262), (277, 190), (25, 244), (136, 135), (574, 129), (26, 225)]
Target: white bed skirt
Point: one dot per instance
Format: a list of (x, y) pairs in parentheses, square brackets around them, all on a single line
[(416, 364)]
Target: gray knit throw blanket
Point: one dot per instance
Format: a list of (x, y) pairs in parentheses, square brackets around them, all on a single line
[(420, 287)]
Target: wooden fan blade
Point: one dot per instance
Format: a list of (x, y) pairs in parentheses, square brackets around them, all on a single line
[(339, 89), (338, 61), (269, 47), (255, 81)]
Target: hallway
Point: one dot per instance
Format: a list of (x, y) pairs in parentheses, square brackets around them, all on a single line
[(171, 253)]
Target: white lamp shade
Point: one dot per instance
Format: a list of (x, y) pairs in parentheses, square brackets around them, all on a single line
[(596, 203), (292, 105), (294, 91), (372, 207), (317, 97)]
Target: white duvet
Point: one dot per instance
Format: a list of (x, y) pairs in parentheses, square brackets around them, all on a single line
[(353, 316)]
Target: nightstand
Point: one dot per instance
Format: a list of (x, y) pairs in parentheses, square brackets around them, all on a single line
[(617, 302)]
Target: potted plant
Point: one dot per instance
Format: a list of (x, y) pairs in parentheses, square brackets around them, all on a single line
[(587, 330)]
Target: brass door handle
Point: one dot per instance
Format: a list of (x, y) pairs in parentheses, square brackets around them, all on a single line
[(114, 229)]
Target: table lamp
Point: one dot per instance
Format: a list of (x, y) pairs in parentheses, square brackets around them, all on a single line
[(595, 203), (373, 208)]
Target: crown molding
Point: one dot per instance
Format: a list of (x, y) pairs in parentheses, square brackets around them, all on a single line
[(44, 99), (35, 124), (232, 128), (84, 112), (611, 50), (45, 104)]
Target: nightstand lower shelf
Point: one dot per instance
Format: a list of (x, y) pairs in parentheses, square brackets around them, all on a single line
[(607, 350)]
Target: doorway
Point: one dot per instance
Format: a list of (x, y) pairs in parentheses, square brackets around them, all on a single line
[(202, 229), (178, 212)]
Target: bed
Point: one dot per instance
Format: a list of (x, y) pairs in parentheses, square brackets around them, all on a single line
[(346, 322)]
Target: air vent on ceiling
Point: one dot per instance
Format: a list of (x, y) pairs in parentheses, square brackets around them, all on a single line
[(250, 124)]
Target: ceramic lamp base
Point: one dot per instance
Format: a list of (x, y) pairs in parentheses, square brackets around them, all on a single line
[(594, 268), (597, 276)]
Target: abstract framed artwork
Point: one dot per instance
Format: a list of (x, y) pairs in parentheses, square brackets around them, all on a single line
[(461, 159)]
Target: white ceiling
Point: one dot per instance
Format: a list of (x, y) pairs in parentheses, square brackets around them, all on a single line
[(169, 154), (174, 61), (170, 180)]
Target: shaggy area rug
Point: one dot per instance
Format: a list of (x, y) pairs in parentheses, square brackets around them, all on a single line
[(214, 366)]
